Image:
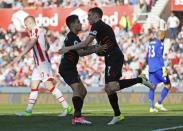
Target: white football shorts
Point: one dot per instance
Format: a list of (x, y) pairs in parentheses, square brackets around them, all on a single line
[(42, 72)]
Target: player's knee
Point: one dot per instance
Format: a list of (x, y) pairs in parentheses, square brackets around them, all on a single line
[(80, 91), (168, 86), (154, 87), (75, 89), (76, 93), (114, 86), (83, 93), (49, 85), (108, 90)]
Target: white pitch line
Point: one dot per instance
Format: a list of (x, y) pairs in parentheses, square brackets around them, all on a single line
[(169, 128)]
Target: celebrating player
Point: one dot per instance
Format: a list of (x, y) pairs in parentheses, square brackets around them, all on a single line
[(68, 69), (114, 59), (42, 71)]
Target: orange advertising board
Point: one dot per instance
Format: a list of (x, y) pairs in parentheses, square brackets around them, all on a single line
[(54, 18), (177, 5)]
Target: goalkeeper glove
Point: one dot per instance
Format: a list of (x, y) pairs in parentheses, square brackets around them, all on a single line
[(165, 73)]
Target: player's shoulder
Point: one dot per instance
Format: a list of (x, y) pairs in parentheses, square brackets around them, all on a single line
[(71, 36), (95, 28), (158, 41), (98, 24), (37, 31)]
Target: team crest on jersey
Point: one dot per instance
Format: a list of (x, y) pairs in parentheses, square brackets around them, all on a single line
[(75, 42)]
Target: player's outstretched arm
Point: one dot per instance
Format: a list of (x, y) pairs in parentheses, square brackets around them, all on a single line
[(29, 46), (82, 44), (91, 49)]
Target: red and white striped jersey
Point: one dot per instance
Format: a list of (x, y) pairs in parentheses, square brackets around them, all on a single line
[(40, 48)]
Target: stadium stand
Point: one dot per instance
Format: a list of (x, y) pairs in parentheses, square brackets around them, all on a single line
[(91, 68)]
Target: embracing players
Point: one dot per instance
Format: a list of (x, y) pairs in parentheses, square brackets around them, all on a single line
[(114, 59)]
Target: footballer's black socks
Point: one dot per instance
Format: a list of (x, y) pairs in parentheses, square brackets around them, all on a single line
[(129, 82), (113, 99), (78, 104)]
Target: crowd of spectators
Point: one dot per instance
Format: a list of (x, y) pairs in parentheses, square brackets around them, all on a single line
[(132, 41), (91, 68), (145, 4)]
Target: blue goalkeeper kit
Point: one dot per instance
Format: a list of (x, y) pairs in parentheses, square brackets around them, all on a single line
[(156, 62)]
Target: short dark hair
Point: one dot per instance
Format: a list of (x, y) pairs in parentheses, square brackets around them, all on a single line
[(71, 19), (97, 10)]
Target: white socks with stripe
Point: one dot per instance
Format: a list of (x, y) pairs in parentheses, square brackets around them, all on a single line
[(58, 94), (32, 100)]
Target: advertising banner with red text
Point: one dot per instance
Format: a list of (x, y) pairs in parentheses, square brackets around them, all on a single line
[(177, 5), (54, 18)]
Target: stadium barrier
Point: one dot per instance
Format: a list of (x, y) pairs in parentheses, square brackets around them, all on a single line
[(91, 98)]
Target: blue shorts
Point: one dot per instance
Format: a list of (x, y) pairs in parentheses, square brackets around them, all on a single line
[(157, 77)]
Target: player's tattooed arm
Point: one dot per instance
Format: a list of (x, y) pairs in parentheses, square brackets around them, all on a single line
[(91, 49), (80, 45)]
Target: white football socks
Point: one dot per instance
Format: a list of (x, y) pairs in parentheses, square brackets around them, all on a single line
[(58, 94), (32, 100)]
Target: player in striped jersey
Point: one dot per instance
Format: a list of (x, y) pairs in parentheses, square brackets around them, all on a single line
[(42, 71)]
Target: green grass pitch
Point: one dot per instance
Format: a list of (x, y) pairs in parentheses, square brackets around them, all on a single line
[(45, 118)]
